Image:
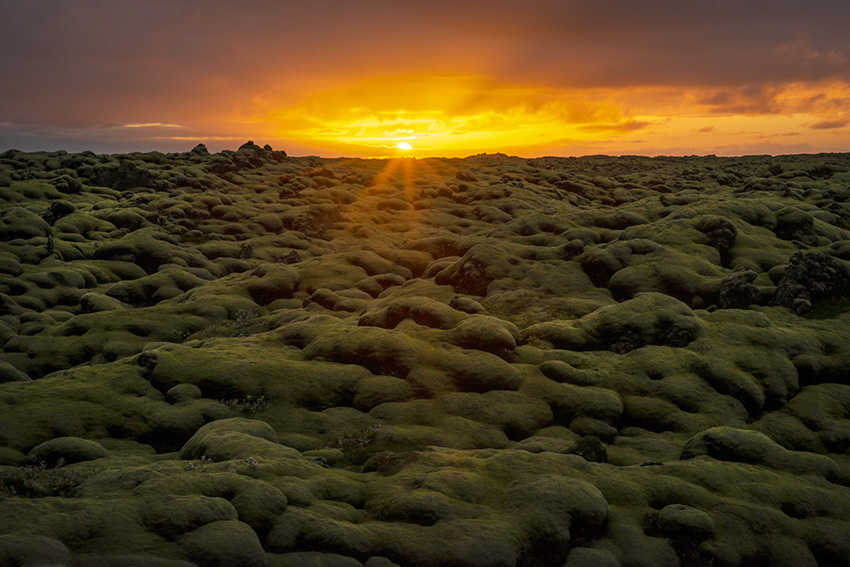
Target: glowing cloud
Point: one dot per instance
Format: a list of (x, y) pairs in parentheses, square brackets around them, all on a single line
[(445, 115), (151, 125), (330, 78)]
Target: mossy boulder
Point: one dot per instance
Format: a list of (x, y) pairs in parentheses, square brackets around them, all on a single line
[(485, 333), (170, 516), (32, 550), (125, 218), (476, 270), (422, 310), (375, 390), (82, 223), (224, 543), (746, 446), (66, 449), (169, 281), (270, 282), (649, 319), (10, 264), (145, 248), (182, 393), (93, 302), (9, 373), (679, 520), (590, 557), (17, 222), (551, 507), (234, 438)]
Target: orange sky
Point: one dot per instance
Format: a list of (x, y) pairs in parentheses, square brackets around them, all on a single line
[(331, 77)]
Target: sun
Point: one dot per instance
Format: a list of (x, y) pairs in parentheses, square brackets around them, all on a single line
[(404, 146)]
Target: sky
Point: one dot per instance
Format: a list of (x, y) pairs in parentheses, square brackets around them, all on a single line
[(447, 77)]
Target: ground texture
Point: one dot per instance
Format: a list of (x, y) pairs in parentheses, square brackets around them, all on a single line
[(248, 359)]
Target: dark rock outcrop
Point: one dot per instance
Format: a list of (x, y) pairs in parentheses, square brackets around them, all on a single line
[(812, 277), (737, 291)]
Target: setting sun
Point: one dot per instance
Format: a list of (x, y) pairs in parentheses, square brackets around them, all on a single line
[(536, 79), (462, 114)]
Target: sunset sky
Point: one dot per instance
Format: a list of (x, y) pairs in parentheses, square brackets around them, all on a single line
[(448, 77)]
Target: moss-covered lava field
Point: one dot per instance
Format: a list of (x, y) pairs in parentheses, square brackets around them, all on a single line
[(249, 359)]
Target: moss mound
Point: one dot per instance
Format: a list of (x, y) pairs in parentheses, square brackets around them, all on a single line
[(247, 358)]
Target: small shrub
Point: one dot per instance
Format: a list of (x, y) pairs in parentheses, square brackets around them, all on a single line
[(207, 462), (245, 323), (202, 467), (360, 439), (356, 447), (248, 404), (37, 481)]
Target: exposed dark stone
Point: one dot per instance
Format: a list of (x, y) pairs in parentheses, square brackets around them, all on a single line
[(720, 231), (324, 172), (248, 156), (57, 210), (68, 185), (249, 145), (812, 277), (571, 249), (125, 175), (467, 305), (590, 448), (315, 221), (147, 362), (794, 224), (476, 270), (737, 291), (246, 251), (292, 258)]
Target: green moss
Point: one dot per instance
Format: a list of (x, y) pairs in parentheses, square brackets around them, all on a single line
[(283, 356), (828, 309), (224, 543)]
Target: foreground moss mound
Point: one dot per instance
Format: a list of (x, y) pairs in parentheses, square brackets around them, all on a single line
[(248, 359)]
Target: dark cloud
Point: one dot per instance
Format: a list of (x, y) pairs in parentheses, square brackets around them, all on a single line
[(830, 124), (750, 99), (627, 126)]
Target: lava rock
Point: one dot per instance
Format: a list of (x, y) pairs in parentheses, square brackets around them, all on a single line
[(737, 291), (812, 277)]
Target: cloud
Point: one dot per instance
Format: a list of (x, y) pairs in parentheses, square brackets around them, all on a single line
[(442, 113), (151, 125), (208, 67), (625, 126), (142, 54), (750, 99), (830, 124)]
